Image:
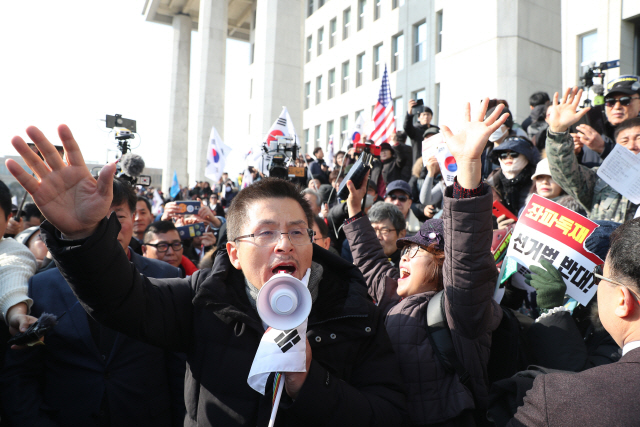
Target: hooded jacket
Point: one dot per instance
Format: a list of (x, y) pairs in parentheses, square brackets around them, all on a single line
[(353, 379)]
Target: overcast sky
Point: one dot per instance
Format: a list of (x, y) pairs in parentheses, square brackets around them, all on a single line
[(76, 61)]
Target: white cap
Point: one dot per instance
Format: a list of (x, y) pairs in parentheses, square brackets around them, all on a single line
[(542, 169)]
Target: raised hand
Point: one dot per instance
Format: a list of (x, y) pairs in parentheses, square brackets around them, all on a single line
[(561, 115), (67, 195), (467, 145)]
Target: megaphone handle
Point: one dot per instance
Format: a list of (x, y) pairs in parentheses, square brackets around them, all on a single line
[(276, 402)]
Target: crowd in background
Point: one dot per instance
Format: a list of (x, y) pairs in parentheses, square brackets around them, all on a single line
[(396, 228)]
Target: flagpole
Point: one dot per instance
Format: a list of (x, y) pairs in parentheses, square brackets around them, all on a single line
[(276, 403)]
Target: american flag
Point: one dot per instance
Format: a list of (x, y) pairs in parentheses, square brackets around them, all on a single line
[(383, 116)]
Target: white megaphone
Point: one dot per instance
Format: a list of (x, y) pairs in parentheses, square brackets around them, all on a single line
[(284, 302)]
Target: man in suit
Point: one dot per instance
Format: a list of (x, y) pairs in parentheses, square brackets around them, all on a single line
[(87, 374), (605, 395)]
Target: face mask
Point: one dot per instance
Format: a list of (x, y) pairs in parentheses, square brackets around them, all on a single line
[(502, 131), (228, 189), (512, 170)]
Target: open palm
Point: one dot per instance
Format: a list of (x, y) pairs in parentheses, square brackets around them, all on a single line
[(563, 114), (67, 195), (468, 144)]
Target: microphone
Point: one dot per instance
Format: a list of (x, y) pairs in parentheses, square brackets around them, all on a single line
[(599, 91), (132, 164)]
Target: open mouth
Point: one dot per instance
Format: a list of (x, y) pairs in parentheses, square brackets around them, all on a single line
[(288, 268), (404, 273)]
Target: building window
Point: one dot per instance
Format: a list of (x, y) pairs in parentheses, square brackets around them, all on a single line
[(397, 3), (362, 5), (307, 95), (377, 6), (309, 8), (439, 31), (320, 40), (320, 3), (357, 114), (359, 69), (318, 89), (636, 48), (419, 94), (398, 110), (333, 28), (420, 42), (344, 126), (317, 140), (377, 61), (587, 51), (332, 83), (306, 137), (346, 21), (253, 49), (330, 134), (309, 45), (345, 77), (397, 47)]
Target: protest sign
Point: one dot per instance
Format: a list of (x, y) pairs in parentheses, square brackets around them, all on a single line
[(436, 147), (550, 231), (621, 170)]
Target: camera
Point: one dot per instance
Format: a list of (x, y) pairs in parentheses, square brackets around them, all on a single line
[(367, 151), (129, 166), (281, 154), (596, 71)]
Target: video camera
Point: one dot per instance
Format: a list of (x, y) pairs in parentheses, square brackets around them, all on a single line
[(129, 166), (367, 151), (596, 71), (282, 154)]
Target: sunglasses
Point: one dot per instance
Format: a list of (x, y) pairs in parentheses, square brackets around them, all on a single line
[(511, 154), (402, 198), (598, 275), (624, 101)]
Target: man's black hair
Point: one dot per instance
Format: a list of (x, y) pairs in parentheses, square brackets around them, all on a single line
[(158, 227), (5, 200), (30, 210), (268, 188), (623, 254), (428, 110), (146, 202), (627, 124), (539, 98), (315, 150), (123, 193), (324, 230), (401, 137)]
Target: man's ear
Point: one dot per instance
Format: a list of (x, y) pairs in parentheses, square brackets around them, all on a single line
[(625, 302), (232, 250), (402, 233), (144, 250)]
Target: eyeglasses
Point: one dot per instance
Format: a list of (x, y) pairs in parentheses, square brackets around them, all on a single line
[(164, 246), (623, 100), (297, 236), (402, 198), (511, 154), (598, 275), (410, 250), (384, 231)]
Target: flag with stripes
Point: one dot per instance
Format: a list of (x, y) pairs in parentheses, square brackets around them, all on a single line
[(330, 152), (383, 116)]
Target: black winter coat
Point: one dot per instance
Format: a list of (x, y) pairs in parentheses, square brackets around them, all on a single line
[(354, 378)]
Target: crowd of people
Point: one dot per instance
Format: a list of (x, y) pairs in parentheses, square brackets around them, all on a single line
[(156, 305)]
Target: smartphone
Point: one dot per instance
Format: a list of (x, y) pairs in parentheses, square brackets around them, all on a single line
[(192, 230), (500, 209), (419, 102), (188, 207)]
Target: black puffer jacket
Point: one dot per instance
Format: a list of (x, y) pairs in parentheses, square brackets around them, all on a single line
[(435, 395), (354, 378)]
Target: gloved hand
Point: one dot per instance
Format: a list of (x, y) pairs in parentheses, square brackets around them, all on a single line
[(548, 283)]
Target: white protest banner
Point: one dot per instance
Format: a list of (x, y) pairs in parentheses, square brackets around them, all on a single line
[(550, 231), (621, 170), (436, 147)]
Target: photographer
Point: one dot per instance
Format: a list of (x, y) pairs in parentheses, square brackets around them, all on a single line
[(416, 133), (427, 265)]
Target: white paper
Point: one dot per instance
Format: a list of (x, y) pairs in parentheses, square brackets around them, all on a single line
[(621, 170)]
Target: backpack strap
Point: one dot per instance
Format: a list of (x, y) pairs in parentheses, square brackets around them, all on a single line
[(441, 340)]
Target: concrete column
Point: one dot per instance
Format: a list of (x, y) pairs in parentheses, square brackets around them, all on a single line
[(212, 28), (277, 70), (177, 153)]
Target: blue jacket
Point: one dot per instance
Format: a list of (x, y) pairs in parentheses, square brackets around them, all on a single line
[(67, 382)]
